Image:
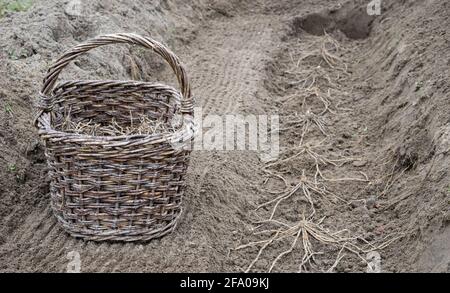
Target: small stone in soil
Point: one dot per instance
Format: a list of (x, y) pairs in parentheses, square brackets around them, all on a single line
[(371, 202), (361, 163), (366, 218), (74, 8), (379, 230), (369, 236), (356, 203), (363, 211), (192, 244)]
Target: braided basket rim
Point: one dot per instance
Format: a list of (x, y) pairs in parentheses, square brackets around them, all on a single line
[(45, 126)]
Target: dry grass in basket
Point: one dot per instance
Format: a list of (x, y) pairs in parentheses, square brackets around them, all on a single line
[(139, 125)]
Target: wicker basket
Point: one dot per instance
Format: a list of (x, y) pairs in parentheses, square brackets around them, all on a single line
[(127, 187)]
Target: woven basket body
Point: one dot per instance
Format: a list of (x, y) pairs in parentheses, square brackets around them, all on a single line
[(123, 188)]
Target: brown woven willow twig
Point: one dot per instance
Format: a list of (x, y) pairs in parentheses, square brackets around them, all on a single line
[(126, 187)]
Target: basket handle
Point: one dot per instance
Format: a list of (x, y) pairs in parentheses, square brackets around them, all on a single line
[(54, 71)]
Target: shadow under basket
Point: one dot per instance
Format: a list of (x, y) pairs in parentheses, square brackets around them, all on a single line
[(125, 187)]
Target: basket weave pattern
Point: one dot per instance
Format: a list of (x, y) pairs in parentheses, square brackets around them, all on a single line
[(123, 188)]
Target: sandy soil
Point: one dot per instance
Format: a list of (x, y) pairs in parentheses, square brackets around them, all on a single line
[(381, 99)]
